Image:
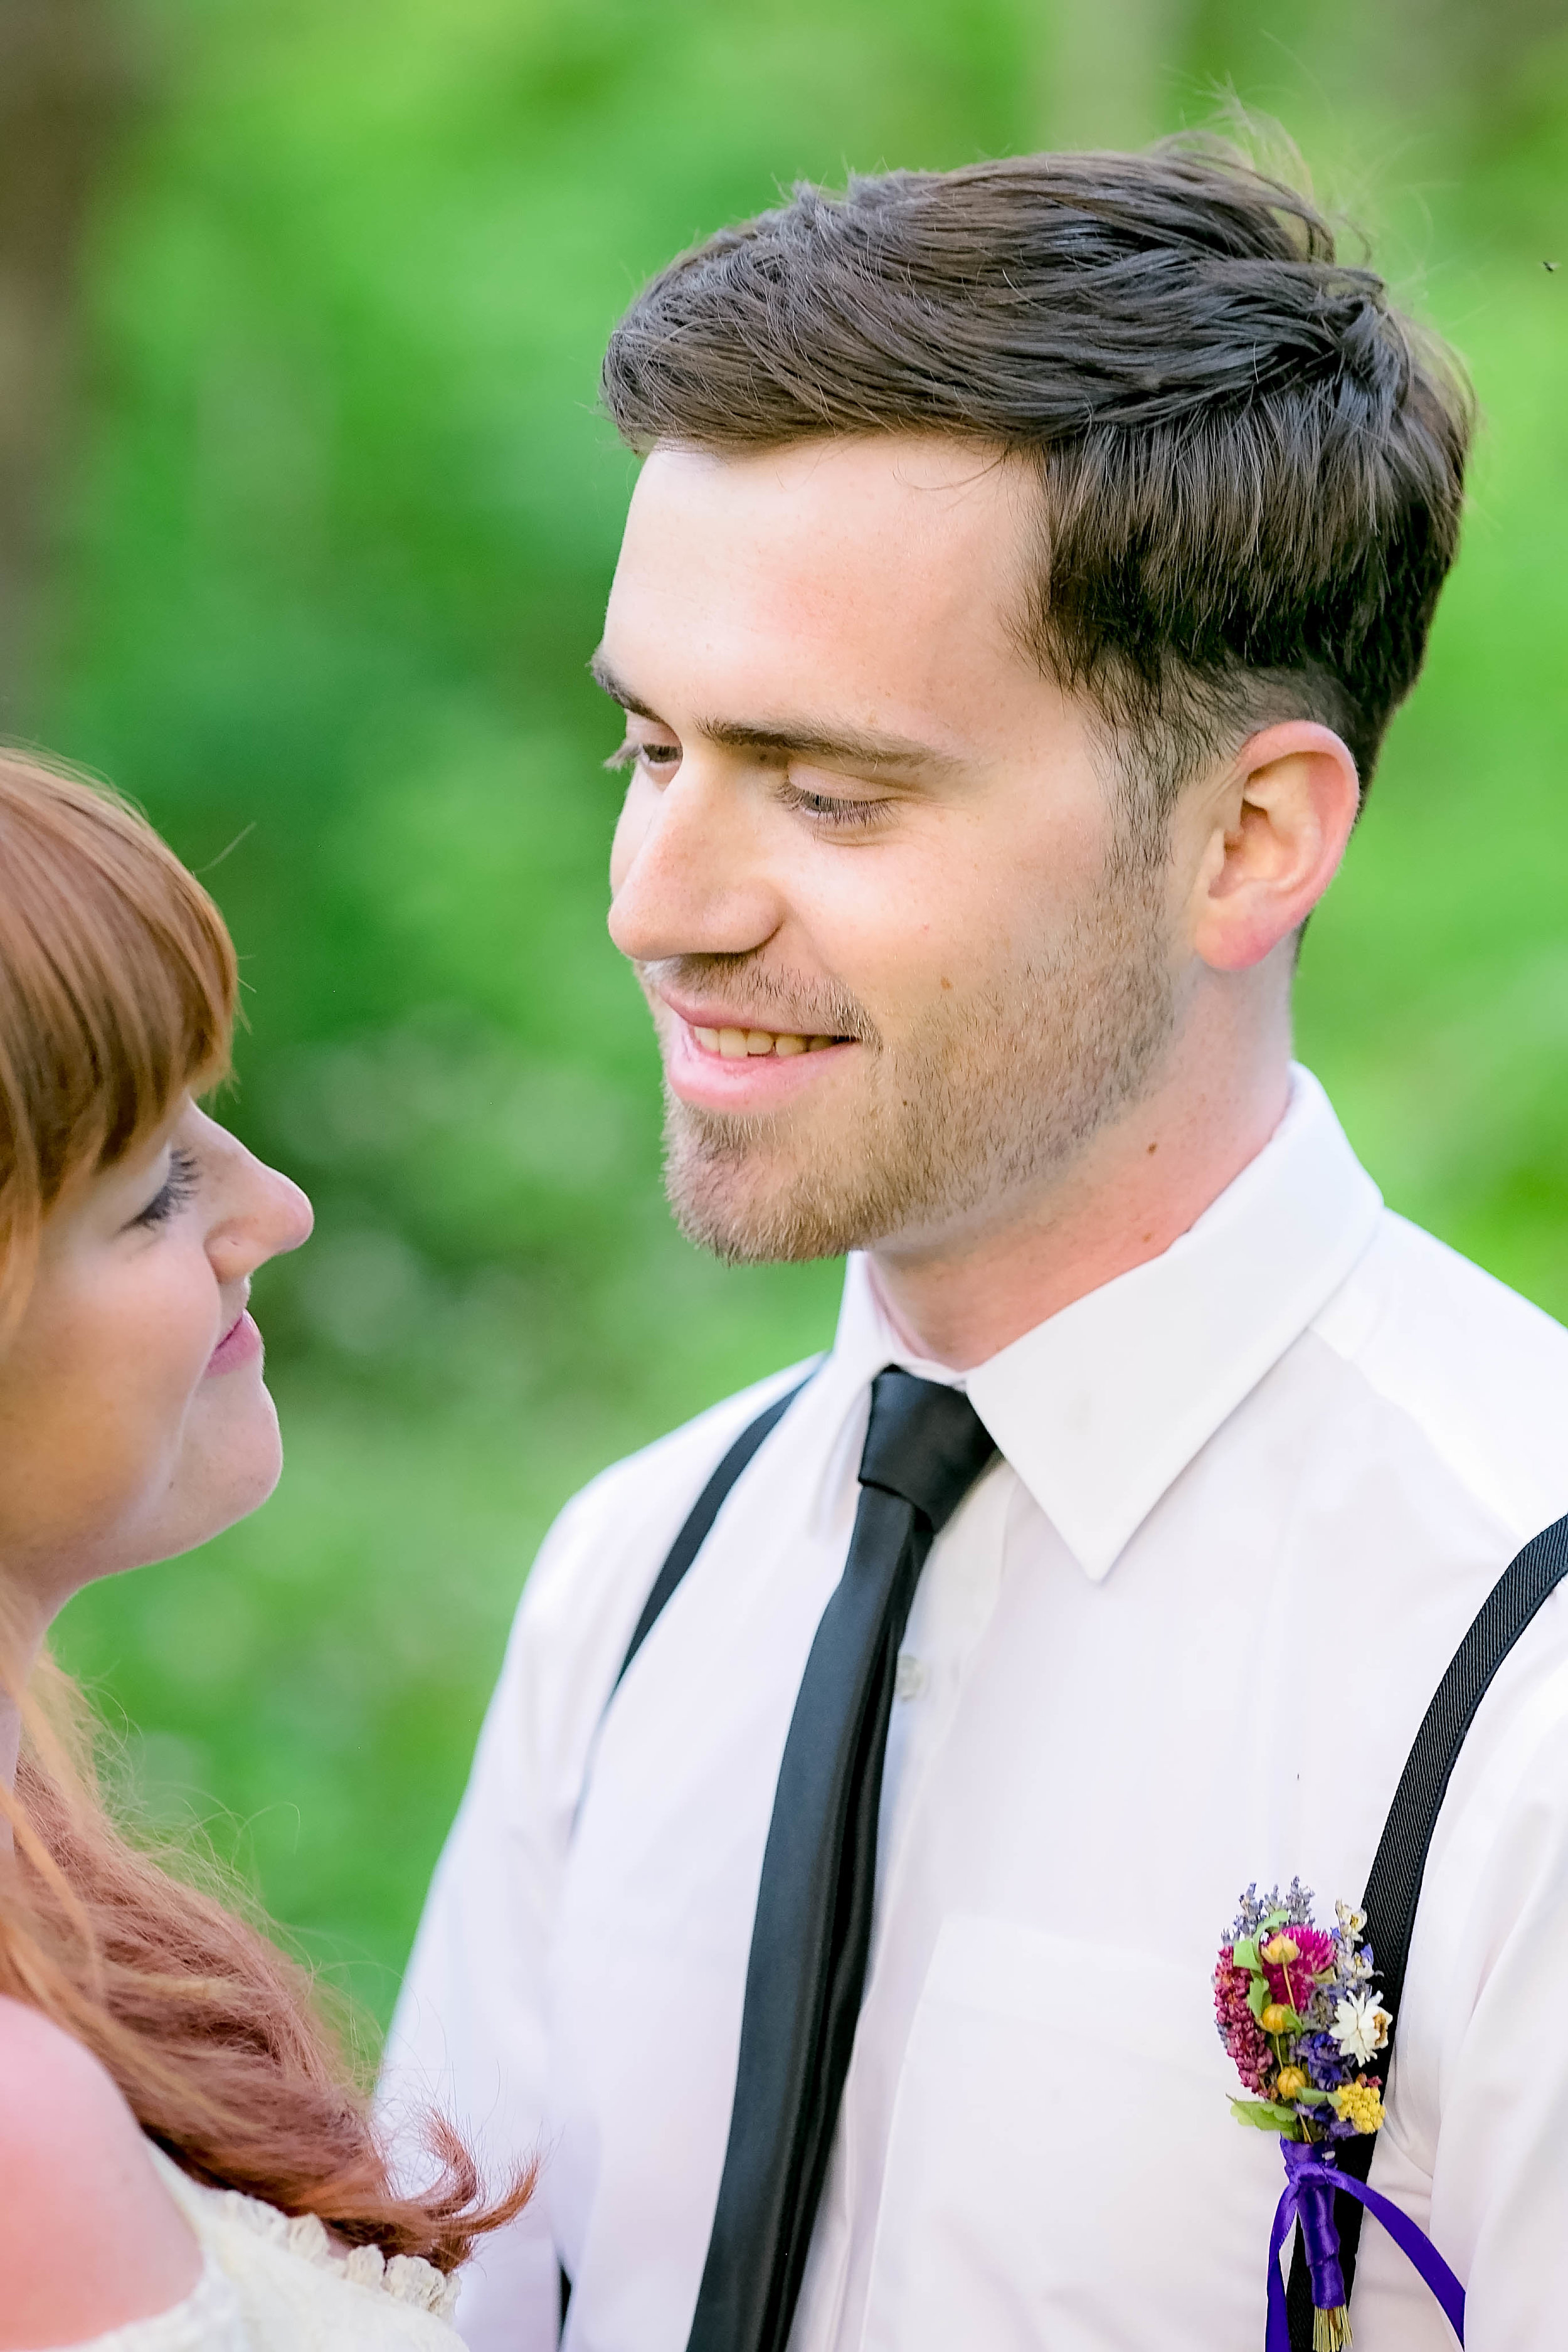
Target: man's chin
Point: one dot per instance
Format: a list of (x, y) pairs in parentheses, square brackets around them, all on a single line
[(738, 1195), (750, 1226)]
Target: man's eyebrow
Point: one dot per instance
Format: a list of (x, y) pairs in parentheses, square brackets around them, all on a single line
[(842, 747), (848, 747), (605, 678)]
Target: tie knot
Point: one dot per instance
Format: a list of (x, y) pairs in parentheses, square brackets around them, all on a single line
[(926, 1444)]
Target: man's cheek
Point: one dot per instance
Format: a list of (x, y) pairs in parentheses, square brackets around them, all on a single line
[(631, 829)]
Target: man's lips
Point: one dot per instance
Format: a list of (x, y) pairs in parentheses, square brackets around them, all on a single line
[(719, 1059), (735, 1033)]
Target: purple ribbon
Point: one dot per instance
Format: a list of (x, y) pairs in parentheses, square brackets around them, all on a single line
[(1311, 2178)]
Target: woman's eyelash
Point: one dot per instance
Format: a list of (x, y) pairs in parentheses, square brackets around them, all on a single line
[(178, 1188)]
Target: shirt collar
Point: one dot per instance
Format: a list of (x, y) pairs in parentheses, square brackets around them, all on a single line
[(1100, 1409)]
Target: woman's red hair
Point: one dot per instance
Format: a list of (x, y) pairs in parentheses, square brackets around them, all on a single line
[(118, 995)]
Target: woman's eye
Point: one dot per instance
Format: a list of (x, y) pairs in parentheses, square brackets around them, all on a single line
[(178, 1188)]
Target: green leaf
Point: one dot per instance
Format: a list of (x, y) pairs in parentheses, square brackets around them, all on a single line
[(1246, 1954), (1266, 2116), (1258, 1996), (1311, 2098)]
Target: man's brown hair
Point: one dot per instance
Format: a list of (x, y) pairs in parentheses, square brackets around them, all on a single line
[(1252, 464)]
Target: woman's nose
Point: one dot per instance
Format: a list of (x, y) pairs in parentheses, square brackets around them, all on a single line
[(293, 1217), (264, 1214)]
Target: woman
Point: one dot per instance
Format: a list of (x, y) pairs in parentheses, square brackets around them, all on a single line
[(167, 2095)]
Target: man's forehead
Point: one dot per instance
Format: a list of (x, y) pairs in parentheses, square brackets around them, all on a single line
[(857, 487), (882, 560)]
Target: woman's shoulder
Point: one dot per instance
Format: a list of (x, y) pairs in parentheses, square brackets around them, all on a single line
[(89, 2236), (107, 2246)]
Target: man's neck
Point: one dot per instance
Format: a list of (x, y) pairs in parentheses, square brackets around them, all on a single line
[(1140, 1182)]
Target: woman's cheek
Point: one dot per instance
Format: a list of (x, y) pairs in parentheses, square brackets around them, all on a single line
[(158, 1330), (172, 1320)]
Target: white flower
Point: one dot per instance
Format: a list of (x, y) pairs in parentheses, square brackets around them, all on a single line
[(1360, 2028)]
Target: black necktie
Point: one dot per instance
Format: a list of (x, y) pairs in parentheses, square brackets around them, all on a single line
[(924, 1449)]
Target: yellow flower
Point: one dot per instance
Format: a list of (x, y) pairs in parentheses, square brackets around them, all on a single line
[(1275, 2018), (1281, 1949), (1291, 2084), (1360, 2105)]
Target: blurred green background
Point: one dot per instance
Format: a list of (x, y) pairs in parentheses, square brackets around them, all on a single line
[(307, 517)]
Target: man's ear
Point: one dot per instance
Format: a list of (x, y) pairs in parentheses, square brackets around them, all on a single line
[(1279, 826)]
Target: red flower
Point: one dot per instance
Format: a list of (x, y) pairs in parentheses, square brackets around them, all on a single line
[(1243, 2037), (1292, 1981)]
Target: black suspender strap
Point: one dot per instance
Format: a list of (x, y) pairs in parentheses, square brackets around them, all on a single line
[(699, 1525), (678, 1558), (1394, 1886)]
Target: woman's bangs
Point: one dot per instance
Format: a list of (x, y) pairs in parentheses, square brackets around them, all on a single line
[(118, 990)]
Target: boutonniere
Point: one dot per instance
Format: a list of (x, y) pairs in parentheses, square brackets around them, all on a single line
[(1298, 2011)]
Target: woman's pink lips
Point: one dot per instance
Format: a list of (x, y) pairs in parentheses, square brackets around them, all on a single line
[(239, 1345), (752, 1082)]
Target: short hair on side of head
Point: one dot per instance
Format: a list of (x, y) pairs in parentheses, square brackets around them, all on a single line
[(1252, 464)]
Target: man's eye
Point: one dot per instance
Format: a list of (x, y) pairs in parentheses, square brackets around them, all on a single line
[(178, 1188), (656, 758), (840, 815)]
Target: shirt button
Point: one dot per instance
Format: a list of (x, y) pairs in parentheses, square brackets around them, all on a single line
[(911, 1677)]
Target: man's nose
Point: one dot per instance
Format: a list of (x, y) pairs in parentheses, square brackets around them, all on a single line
[(690, 871)]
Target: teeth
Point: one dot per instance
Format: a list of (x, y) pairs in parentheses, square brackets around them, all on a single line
[(740, 1045)]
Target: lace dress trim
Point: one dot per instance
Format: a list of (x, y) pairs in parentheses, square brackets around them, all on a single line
[(408, 2278)]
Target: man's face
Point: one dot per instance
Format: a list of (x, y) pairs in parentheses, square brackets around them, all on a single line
[(903, 950)]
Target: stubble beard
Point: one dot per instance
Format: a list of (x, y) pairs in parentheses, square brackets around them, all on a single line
[(979, 1107)]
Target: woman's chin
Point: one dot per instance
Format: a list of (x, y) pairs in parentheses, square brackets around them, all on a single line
[(230, 1466)]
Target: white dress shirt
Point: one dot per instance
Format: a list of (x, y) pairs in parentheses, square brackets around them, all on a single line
[(1179, 1637)]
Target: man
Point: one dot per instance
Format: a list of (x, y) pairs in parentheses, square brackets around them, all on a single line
[(1025, 566)]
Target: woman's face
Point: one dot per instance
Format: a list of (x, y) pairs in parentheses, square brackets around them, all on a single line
[(134, 1419)]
